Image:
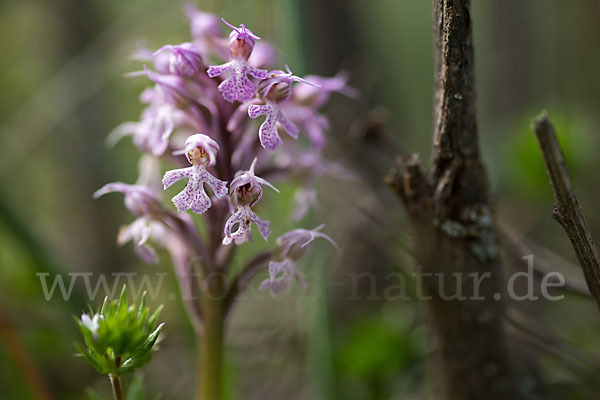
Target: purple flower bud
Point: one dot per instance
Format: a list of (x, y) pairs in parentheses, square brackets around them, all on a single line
[(160, 61), (184, 60), (201, 152), (246, 188), (241, 41), (139, 200), (173, 89), (278, 85)]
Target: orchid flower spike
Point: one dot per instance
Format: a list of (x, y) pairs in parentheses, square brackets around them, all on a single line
[(245, 192), (291, 247), (238, 87), (201, 152)]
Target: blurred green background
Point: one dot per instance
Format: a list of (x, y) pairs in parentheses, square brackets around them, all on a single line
[(63, 91)]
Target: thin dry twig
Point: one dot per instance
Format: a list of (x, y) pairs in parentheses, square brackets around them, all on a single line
[(566, 207)]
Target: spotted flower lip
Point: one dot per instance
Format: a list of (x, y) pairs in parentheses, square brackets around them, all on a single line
[(275, 90), (139, 199), (267, 133), (237, 86), (201, 151), (184, 60), (243, 218), (193, 196)]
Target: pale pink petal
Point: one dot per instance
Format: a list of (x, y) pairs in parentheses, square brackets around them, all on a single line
[(218, 186), (236, 219), (289, 126), (264, 227), (217, 70), (175, 175)]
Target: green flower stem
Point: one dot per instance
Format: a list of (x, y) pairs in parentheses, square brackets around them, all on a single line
[(210, 345), (117, 385)]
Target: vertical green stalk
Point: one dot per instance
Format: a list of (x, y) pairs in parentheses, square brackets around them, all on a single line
[(210, 361), (117, 385)]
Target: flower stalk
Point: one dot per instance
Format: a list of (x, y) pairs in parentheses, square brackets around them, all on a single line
[(210, 363), (117, 386)]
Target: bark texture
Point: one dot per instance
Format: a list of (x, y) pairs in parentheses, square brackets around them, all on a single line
[(455, 241)]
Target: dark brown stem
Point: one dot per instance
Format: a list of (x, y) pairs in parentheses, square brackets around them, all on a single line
[(117, 386), (566, 207)]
